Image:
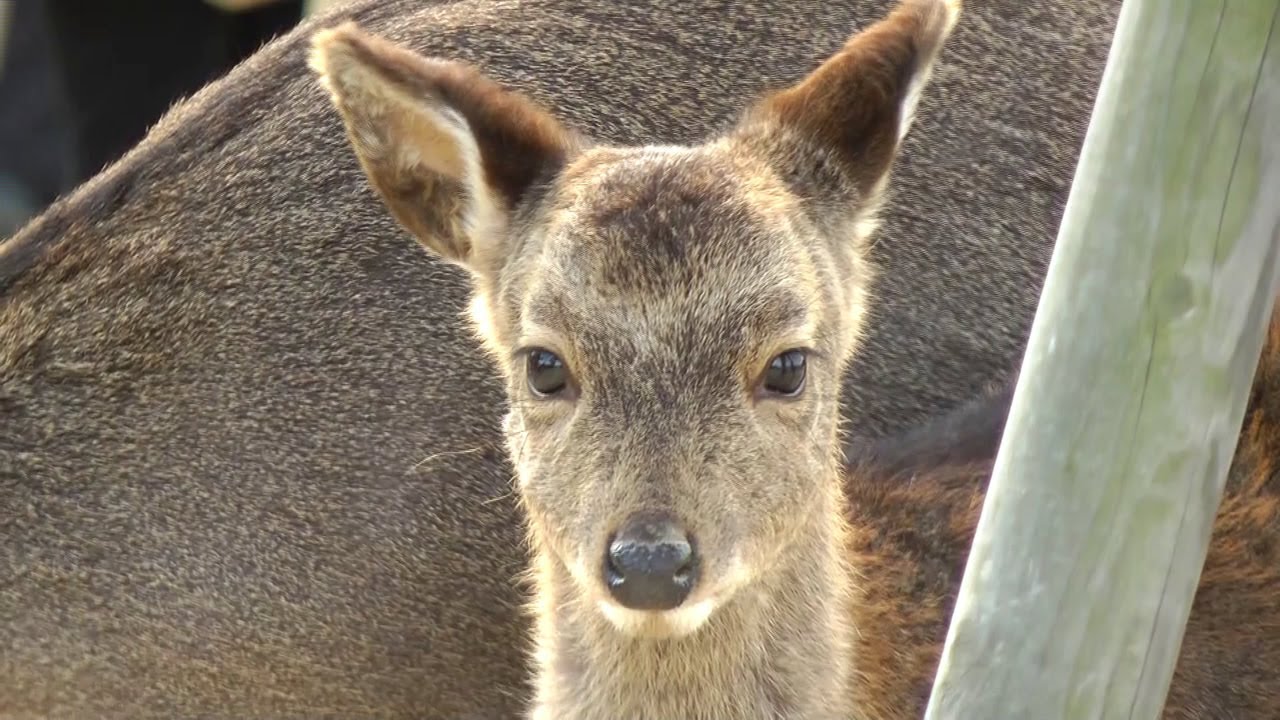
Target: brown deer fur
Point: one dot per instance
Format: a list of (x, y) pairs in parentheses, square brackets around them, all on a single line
[(251, 462), (666, 278)]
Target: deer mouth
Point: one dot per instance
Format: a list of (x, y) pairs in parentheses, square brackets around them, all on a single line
[(659, 624)]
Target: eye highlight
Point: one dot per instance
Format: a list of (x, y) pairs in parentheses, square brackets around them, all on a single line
[(786, 374), (547, 374)]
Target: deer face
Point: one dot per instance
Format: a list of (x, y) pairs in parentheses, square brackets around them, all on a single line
[(672, 322)]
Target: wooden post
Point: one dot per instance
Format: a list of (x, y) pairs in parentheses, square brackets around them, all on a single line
[(1133, 387)]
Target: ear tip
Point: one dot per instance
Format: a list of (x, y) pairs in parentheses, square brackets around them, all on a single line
[(332, 44), (929, 23), (948, 6), (952, 10), (939, 16)]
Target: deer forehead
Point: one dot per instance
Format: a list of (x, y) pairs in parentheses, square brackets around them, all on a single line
[(667, 247), (607, 181), (654, 224)]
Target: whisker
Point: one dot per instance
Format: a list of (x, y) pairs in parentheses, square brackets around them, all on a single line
[(443, 453)]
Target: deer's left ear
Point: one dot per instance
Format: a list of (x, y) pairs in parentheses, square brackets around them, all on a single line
[(836, 132), (449, 151)]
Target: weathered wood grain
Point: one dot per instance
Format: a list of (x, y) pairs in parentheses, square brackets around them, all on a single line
[(1134, 384)]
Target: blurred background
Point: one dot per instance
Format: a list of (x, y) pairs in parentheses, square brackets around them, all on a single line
[(81, 81)]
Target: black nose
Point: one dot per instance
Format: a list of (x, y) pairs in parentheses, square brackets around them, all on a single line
[(651, 565)]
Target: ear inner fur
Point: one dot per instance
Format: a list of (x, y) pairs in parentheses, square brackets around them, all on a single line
[(449, 150), (857, 105)]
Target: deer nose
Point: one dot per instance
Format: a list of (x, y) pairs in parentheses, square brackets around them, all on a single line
[(651, 564)]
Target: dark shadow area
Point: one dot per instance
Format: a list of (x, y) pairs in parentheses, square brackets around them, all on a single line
[(82, 81)]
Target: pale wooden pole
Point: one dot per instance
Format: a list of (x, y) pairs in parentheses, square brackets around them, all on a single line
[(1133, 387)]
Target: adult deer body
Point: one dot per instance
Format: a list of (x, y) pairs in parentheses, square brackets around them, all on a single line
[(250, 457)]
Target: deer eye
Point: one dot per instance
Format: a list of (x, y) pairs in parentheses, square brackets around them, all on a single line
[(546, 371), (785, 374)]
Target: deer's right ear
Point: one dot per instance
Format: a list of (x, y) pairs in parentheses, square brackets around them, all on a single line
[(449, 151)]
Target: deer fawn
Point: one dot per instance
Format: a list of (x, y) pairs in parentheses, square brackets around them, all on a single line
[(673, 323)]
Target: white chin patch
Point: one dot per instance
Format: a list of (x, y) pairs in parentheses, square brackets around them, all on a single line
[(652, 624)]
